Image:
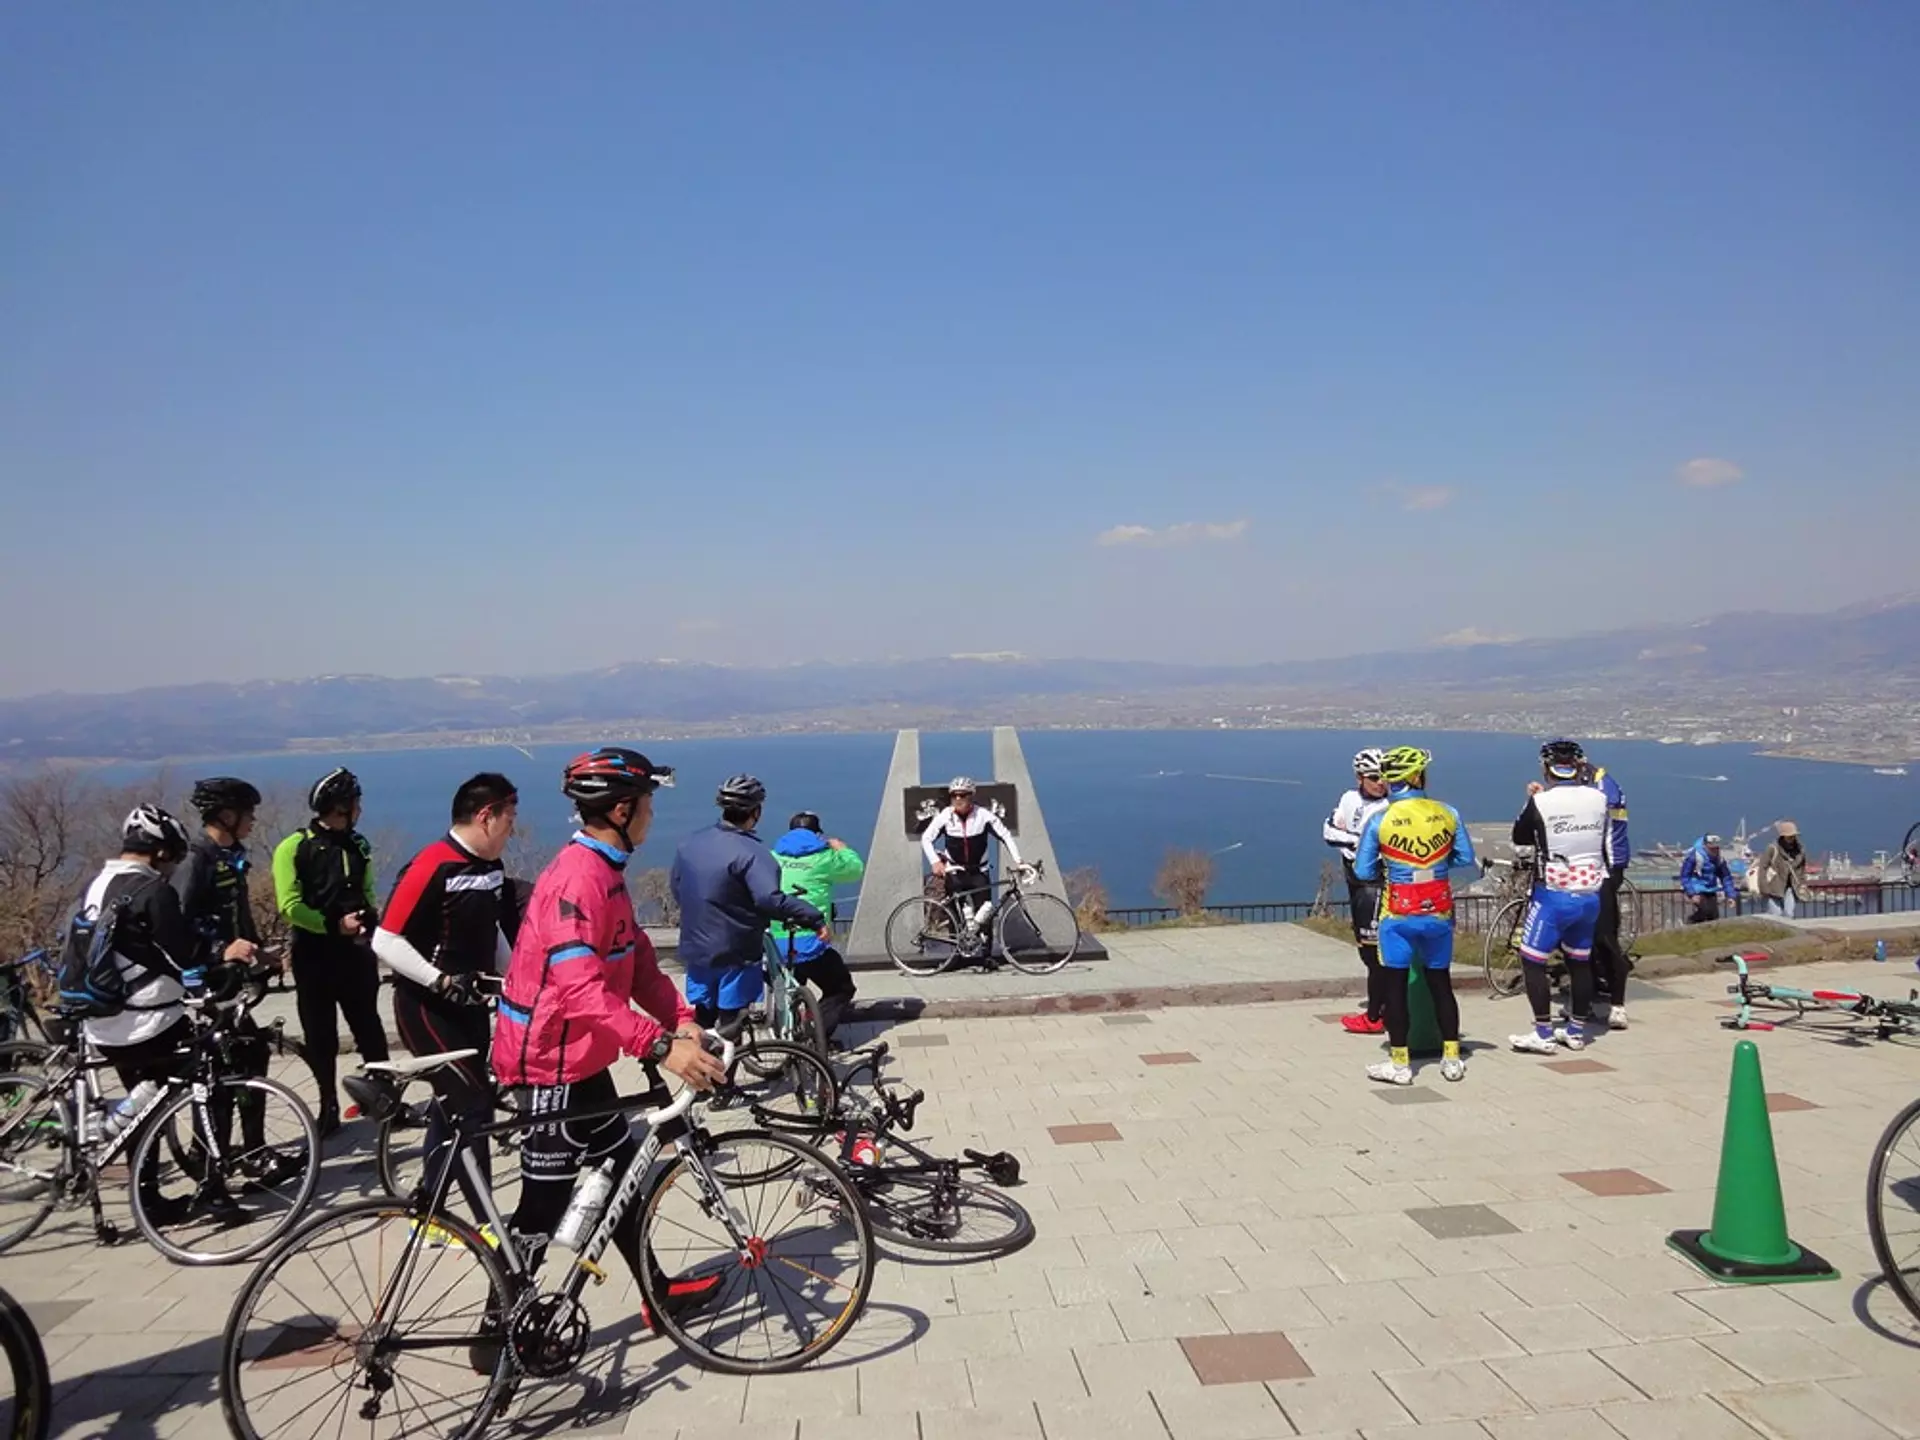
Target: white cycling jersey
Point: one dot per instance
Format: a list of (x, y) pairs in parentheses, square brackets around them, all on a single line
[(1348, 820), (1567, 826), (965, 838)]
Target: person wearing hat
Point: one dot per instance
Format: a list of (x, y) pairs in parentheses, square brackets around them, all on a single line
[(323, 881), (1704, 877), (1783, 871)]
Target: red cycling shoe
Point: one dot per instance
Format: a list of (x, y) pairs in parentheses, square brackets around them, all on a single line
[(1359, 1024)]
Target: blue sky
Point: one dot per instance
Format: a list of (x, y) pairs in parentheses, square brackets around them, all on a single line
[(447, 337)]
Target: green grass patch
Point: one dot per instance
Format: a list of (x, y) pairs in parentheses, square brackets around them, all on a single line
[(1720, 935), (1334, 927)]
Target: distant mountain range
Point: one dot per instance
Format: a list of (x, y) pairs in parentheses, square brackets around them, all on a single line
[(1866, 649)]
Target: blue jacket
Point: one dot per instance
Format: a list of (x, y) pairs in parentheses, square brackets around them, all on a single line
[(1702, 873), (727, 885), (1619, 846)]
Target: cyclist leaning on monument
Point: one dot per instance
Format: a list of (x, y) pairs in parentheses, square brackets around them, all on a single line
[(1342, 831), (1409, 845), (1565, 821), (955, 844)]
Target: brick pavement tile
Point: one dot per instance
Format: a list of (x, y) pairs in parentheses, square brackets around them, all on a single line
[(1244, 1359), (1190, 1277), (1559, 1425), (1006, 1422), (1697, 1417), (1663, 1273), (1010, 1379), (1874, 1353), (969, 1337), (1061, 1327), (1162, 1215), (1072, 1223), (1329, 1403), (922, 1041), (1655, 1317), (1451, 1339), (1357, 1345), (1204, 1242), (1377, 1300), (1374, 1230), (117, 1317), (1780, 1357), (1893, 1401), (1473, 1294), (1290, 1236), (1545, 1329), (902, 1426), (1747, 1307), (1537, 1248), (1674, 1369), (1133, 1418), (1084, 1284), (1779, 1102), (1223, 1412), (1460, 1222), (1564, 1380), (1410, 1095), (1215, 1211), (1468, 1391), (1171, 1057), (899, 1385), (1119, 1371), (747, 1430), (1796, 1412), (48, 1315), (980, 1293), (1085, 1134), (1167, 1317), (1451, 1430), (1578, 1067), (1611, 1183), (1131, 1018), (1128, 1249), (1556, 1284), (820, 1393), (1385, 1262), (1464, 1257), (1279, 1309)]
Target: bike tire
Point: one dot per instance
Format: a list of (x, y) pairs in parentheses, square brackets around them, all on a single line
[(1037, 934), (1902, 1273), (916, 942), (291, 1196), (776, 1086), (909, 1210), (1629, 902), (809, 1029), (1500, 957), (309, 1235), (34, 1125), (832, 1197), (24, 1057), (29, 1414)]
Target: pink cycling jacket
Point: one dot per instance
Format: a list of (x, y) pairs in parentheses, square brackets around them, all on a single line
[(580, 965)]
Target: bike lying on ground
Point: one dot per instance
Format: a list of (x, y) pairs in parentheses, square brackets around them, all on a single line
[(1893, 1206), (333, 1314), (1861, 1015), (1036, 933), (57, 1136), (27, 1410)]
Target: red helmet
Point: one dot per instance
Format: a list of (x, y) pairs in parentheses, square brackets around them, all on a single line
[(610, 774)]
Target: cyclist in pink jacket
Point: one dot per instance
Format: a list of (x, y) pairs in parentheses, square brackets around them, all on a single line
[(580, 965)]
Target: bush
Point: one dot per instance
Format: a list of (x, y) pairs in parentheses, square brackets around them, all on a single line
[(1087, 893), (1184, 879), (653, 897)]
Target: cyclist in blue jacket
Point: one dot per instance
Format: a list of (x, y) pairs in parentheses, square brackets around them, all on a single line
[(1705, 877)]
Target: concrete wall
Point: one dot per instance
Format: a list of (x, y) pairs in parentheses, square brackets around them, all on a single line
[(893, 862), (1010, 767)]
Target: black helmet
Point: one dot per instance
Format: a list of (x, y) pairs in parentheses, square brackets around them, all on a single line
[(149, 830), (804, 820), (611, 775), (335, 790), (223, 792), (740, 792), (1563, 758)]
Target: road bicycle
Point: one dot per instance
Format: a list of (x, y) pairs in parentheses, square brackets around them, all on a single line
[(406, 1319), (1860, 1014), (788, 1011), (26, 1410), (1893, 1205), (24, 1028), (1500, 958), (1035, 932), (57, 1139)]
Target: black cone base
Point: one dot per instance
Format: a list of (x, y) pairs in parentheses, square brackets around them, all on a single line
[(1808, 1266)]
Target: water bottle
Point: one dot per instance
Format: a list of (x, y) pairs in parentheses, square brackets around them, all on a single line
[(862, 1152), (589, 1202), (1880, 951), (122, 1115)]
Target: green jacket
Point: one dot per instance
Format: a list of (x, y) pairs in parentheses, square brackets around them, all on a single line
[(321, 876), (811, 867)]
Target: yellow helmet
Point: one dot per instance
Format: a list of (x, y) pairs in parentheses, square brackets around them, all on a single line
[(1404, 763)]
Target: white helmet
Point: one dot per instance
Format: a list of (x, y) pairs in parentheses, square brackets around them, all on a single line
[(149, 830), (960, 785), (1369, 761)]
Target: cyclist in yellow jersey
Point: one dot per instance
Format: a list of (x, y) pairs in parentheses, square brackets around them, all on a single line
[(1410, 846)]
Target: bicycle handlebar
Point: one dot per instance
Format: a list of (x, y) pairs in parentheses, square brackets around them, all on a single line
[(683, 1102)]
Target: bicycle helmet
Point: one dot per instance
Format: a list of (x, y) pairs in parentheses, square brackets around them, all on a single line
[(223, 792), (804, 820), (335, 790), (1368, 762), (1563, 759), (1404, 763), (149, 830), (740, 792), (960, 785), (609, 775)]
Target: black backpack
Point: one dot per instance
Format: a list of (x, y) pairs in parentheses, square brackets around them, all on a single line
[(92, 983)]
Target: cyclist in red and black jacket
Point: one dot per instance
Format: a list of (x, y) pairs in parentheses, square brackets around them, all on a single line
[(449, 922)]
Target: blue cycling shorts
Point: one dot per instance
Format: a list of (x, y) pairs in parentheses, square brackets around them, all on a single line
[(1426, 940), (1559, 920), (731, 987)]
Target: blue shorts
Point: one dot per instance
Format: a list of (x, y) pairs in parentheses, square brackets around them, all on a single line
[(1560, 920), (1425, 939), (732, 987)]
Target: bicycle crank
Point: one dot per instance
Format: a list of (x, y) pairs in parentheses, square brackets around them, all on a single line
[(549, 1334)]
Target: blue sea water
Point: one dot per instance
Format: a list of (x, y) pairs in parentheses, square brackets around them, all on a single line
[(1119, 800)]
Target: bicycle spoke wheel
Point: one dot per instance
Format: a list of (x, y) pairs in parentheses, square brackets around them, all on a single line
[(931, 1212), (790, 1285), (1893, 1206), (1038, 933), (27, 1409), (35, 1155), (268, 1178), (921, 935), (1629, 915), (809, 1030), (774, 1086), (1501, 958), (322, 1342)]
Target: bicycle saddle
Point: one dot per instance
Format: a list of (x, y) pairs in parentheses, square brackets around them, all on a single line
[(417, 1064)]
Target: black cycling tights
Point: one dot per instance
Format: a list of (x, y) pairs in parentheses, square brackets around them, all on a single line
[(1540, 990), (1446, 1006)]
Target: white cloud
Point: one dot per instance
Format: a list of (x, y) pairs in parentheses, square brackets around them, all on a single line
[(1708, 472), (1424, 497), (1473, 635), (1188, 532)]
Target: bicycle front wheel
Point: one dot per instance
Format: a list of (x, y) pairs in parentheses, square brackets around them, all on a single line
[(267, 1180), (1629, 915), (791, 1258), (772, 1085), (322, 1339), (922, 935), (35, 1153), (1501, 958), (1038, 933), (1893, 1206), (25, 1413), (942, 1214)]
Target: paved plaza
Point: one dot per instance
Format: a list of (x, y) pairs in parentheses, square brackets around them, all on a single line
[(1240, 1238)]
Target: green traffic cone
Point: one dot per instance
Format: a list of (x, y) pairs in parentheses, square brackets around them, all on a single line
[(1423, 1030), (1748, 1242)]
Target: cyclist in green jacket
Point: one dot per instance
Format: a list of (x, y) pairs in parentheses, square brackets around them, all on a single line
[(323, 881), (810, 866)]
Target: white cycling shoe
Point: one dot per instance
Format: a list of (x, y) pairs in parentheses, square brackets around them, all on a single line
[(1453, 1068), (1388, 1073), (1533, 1043)]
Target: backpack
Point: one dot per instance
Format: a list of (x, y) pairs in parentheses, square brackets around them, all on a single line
[(92, 982)]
